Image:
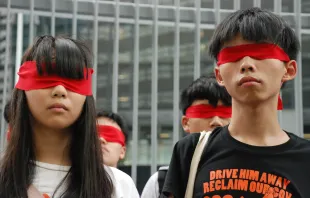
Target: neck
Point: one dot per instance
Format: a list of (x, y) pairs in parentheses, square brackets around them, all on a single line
[(51, 145), (257, 125)]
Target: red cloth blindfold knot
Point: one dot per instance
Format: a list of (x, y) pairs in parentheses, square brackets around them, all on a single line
[(208, 111), (29, 79), (111, 134), (280, 103), (258, 51)]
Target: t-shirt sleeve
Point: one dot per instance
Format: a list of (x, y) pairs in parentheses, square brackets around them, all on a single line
[(129, 187), (134, 192), (151, 189), (177, 176), (124, 186)]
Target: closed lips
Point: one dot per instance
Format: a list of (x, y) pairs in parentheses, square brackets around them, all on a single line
[(58, 106), (248, 79)]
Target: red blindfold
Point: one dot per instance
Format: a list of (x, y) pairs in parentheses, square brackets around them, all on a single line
[(208, 111), (111, 134), (257, 51), (29, 79)]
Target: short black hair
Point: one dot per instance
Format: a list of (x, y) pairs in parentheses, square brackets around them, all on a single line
[(258, 25), (204, 88), (120, 121), (6, 112)]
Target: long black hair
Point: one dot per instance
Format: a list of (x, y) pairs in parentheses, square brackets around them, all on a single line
[(87, 177)]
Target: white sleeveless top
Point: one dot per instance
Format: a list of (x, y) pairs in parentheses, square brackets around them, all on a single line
[(49, 176)]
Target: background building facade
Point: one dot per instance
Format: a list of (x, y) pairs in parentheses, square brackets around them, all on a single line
[(145, 52)]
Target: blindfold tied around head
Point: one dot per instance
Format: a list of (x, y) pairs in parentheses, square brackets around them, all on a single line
[(208, 111), (111, 134), (29, 79), (259, 51)]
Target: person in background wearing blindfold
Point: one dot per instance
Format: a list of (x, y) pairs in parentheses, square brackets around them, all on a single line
[(54, 149), (205, 105), (113, 134), (252, 157)]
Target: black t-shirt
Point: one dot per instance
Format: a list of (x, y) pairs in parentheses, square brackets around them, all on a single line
[(231, 169)]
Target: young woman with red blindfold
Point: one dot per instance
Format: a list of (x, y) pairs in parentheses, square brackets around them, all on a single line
[(54, 148), (251, 157)]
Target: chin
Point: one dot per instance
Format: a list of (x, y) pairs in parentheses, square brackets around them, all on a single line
[(109, 163), (58, 125)]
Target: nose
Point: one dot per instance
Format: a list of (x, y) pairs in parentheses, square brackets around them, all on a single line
[(59, 91), (216, 122), (247, 65)]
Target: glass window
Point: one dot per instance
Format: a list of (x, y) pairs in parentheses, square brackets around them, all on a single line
[(207, 17), (166, 2), (42, 5), (267, 4), (227, 4), (20, 4), (42, 25), (12, 53), (63, 27), (305, 6), (187, 3), (290, 20), (305, 22), (305, 54), (11, 64), (86, 8), (224, 15), (187, 49), (64, 6), (246, 4), (306, 70), (85, 32), (125, 76), (26, 23), (165, 94), (207, 3), (187, 16), (105, 65), (207, 64), (145, 87), (288, 6)]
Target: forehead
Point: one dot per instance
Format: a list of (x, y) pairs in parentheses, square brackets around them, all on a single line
[(108, 122), (206, 102), (237, 40)]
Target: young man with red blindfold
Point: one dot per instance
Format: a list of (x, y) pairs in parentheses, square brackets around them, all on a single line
[(252, 157), (112, 131), (205, 105)]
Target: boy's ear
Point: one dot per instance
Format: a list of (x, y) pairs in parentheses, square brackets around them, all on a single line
[(185, 124), (290, 71), (218, 76)]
